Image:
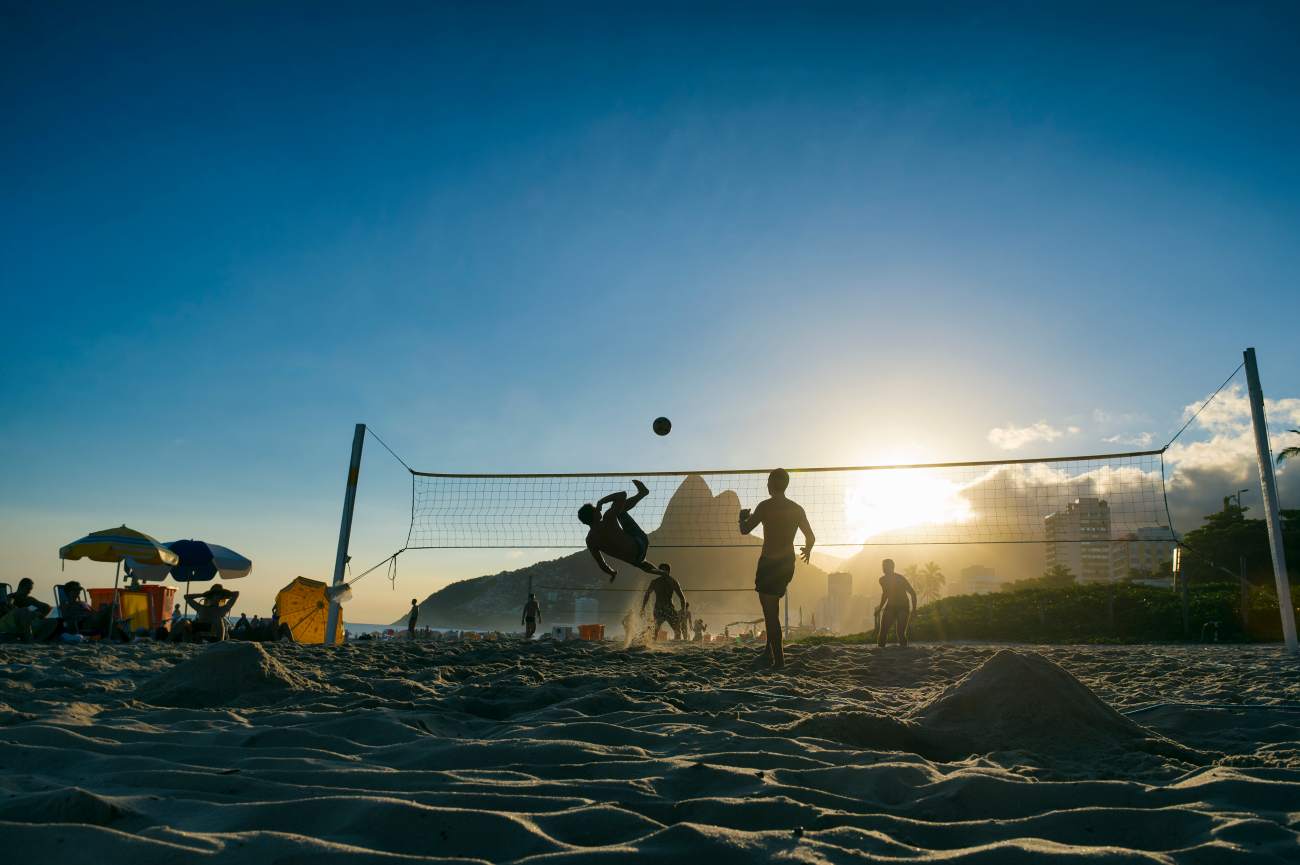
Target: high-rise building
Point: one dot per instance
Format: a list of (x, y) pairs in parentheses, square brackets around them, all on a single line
[(1149, 550), (839, 598), (1079, 538), (979, 580)]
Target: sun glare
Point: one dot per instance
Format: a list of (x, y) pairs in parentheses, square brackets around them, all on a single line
[(891, 499)]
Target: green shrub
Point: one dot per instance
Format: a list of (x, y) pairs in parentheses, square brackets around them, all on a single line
[(1097, 613)]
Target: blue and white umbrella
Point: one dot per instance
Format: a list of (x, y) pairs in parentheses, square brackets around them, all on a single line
[(199, 562)]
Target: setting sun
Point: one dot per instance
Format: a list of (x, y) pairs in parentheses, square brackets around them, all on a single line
[(890, 499)]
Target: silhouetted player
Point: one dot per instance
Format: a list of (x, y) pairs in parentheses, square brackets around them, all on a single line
[(664, 587), (780, 518), (532, 615), (412, 619), (615, 533), (893, 610)]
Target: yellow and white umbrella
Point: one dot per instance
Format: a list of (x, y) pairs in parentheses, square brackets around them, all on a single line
[(114, 545)]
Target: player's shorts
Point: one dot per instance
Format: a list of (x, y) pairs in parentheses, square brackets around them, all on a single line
[(637, 534), (774, 575)]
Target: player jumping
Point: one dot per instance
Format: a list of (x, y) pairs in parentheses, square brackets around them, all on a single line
[(615, 533)]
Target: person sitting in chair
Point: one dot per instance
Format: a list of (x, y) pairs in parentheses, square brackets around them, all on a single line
[(210, 609), (24, 617)]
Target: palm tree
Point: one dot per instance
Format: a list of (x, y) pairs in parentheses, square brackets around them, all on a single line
[(932, 582), (1293, 451), (928, 580), (913, 574)]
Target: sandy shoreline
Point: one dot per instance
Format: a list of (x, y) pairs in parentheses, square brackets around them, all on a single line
[(386, 751)]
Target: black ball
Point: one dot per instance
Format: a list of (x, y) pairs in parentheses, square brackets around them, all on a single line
[(662, 426)]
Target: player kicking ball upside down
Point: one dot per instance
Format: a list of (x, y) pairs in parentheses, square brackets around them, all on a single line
[(780, 519), (615, 533)]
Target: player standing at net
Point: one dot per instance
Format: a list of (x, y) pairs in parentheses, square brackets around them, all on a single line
[(893, 611), (780, 518), (663, 587), (532, 616), (615, 533)]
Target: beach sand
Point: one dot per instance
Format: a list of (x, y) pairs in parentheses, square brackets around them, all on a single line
[(583, 752)]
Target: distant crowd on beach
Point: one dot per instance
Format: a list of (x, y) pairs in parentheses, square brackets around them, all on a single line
[(72, 617)]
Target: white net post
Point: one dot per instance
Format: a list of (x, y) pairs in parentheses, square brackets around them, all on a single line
[(345, 530), (1268, 485)]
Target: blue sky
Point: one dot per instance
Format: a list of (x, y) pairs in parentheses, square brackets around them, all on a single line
[(509, 238)]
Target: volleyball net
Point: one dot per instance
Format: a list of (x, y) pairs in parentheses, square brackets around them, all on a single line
[(1061, 500)]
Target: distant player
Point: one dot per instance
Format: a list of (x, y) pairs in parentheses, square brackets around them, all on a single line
[(615, 533), (664, 587), (532, 616), (893, 611), (780, 519), (412, 618)]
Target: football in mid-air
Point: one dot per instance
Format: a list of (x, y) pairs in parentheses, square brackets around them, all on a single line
[(662, 426)]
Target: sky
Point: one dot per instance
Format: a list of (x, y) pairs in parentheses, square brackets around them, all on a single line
[(507, 238)]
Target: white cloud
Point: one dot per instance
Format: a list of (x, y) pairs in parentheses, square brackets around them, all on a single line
[(1142, 439), (1206, 469), (1011, 437)]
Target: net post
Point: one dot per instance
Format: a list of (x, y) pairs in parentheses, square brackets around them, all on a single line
[(1268, 486), (345, 529)]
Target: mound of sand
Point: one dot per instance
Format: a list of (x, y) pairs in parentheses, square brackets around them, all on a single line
[(69, 805), (225, 674), (876, 732), (1022, 701)]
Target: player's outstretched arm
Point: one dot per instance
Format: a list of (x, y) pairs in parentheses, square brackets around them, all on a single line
[(750, 521), (600, 562), (646, 597), (808, 537)]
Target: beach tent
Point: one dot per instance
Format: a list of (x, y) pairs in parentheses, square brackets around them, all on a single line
[(304, 607)]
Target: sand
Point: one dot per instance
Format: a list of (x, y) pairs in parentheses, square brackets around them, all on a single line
[(392, 752)]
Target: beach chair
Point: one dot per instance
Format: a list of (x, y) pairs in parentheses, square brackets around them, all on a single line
[(5, 591), (69, 606), (75, 613)]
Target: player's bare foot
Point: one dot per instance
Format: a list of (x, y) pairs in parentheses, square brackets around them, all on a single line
[(641, 489)]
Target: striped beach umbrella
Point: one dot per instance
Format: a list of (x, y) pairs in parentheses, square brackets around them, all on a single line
[(116, 545)]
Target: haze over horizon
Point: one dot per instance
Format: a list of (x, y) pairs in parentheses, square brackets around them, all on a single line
[(508, 239)]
